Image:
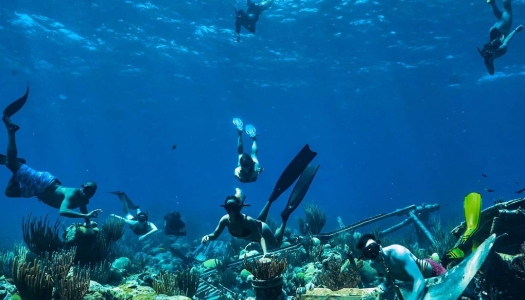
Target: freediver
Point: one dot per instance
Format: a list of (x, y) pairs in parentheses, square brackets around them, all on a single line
[(248, 166), (256, 230), (139, 224), (173, 224), (249, 18), (396, 262), (27, 183), (500, 35)]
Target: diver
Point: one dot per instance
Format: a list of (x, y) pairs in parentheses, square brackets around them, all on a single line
[(256, 230), (245, 227), (27, 183), (173, 225), (500, 35), (139, 224), (396, 262), (249, 18), (248, 167)]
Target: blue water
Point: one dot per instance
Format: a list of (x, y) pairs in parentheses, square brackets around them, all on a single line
[(392, 95)]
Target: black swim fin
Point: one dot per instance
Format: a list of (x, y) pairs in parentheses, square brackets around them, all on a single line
[(14, 107), (299, 191), (294, 169), (123, 197), (3, 159)]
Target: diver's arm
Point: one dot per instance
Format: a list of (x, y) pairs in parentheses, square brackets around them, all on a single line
[(213, 236), (263, 246), (152, 227), (67, 212), (410, 266), (127, 221), (509, 37)]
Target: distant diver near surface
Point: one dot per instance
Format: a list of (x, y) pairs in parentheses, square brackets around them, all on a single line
[(27, 183), (248, 166), (500, 35), (140, 224), (249, 18), (256, 230)]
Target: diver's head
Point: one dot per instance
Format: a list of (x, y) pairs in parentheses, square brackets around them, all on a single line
[(370, 246), (234, 203), (246, 162), (88, 189), (175, 215), (142, 217)]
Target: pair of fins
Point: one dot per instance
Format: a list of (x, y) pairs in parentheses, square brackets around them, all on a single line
[(300, 170), (472, 207)]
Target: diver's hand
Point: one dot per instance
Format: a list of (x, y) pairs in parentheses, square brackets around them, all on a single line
[(205, 239), (141, 237), (519, 28), (94, 213)]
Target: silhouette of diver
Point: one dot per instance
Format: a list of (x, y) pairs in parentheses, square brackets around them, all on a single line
[(500, 35), (250, 17)]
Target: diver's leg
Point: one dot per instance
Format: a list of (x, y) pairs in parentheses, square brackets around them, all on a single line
[(265, 5), (240, 146), (12, 162), (495, 9), (271, 240), (264, 212), (255, 150), (279, 233), (507, 6)]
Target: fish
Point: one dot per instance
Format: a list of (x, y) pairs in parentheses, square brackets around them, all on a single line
[(520, 191), (484, 175), (173, 147), (490, 190)]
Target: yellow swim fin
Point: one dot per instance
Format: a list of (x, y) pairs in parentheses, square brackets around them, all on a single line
[(472, 207)]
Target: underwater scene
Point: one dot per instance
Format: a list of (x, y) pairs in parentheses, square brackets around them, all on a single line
[(262, 149)]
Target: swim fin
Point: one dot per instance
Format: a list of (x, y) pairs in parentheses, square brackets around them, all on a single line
[(3, 159), (472, 208), (123, 197), (294, 169), (15, 106), (299, 191)]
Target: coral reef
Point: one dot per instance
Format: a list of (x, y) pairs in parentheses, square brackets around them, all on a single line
[(315, 220)]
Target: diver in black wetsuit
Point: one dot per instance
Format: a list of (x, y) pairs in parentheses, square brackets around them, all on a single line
[(500, 35), (173, 225), (249, 18)]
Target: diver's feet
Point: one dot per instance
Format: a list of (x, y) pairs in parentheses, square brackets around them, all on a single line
[(238, 123), (11, 127), (251, 131)]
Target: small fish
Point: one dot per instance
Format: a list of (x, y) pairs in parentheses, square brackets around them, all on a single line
[(173, 147), (520, 191), (490, 190), (484, 175)]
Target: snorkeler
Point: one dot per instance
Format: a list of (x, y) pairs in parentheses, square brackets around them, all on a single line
[(256, 230), (27, 183), (173, 225), (500, 35), (139, 224), (249, 18), (248, 167)]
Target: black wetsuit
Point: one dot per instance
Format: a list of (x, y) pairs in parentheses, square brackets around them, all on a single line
[(247, 19), (174, 225)]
